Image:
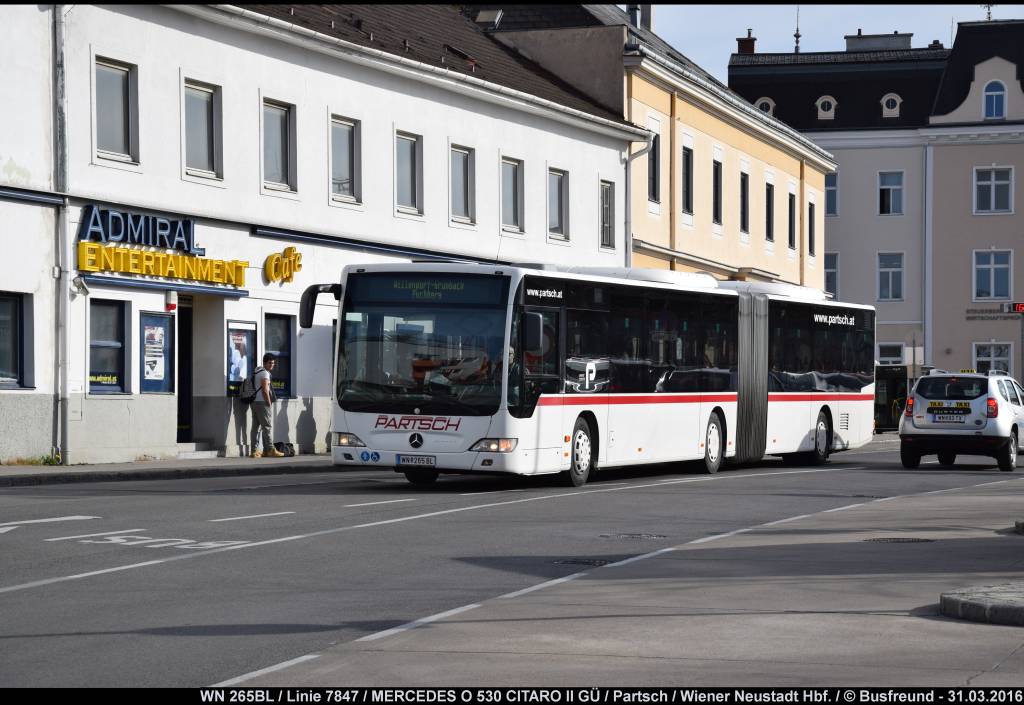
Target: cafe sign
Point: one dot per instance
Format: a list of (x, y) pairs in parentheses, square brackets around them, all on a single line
[(281, 267), (112, 241)]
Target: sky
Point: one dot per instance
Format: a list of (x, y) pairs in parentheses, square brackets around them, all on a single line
[(707, 33)]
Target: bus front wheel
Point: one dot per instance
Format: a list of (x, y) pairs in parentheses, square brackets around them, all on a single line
[(714, 445), (419, 477), (581, 454)]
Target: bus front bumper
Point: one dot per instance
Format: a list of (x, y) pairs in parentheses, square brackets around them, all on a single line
[(518, 462)]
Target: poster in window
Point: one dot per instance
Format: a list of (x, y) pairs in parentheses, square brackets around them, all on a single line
[(241, 352), (157, 350)]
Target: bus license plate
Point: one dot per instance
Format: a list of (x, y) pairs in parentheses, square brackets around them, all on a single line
[(949, 418), (423, 461)]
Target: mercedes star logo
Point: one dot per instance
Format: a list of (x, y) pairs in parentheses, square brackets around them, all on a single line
[(416, 440)]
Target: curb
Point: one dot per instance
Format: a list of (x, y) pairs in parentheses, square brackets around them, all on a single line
[(993, 604), (160, 474)]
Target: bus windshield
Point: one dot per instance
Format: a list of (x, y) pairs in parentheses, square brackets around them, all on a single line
[(423, 343)]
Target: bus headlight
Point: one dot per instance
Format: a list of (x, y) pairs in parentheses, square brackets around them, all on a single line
[(496, 445), (348, 440)]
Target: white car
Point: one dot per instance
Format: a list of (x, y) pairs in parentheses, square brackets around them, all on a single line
[(968, 414)]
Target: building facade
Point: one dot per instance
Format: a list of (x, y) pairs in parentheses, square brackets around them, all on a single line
[(921, 211), (724, 188), (177, 176)]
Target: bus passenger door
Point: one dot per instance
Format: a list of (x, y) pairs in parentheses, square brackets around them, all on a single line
[(542, 384)]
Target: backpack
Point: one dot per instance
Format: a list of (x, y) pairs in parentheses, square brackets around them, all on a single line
[(248, 391), (287, 448)]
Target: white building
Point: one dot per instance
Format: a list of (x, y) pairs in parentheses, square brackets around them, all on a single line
[(234, 157)]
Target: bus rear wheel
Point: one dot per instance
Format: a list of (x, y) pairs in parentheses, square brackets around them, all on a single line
[(581, 455), (419, 477), (714, 446)]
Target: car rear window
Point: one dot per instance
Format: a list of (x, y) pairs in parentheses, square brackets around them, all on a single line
[(961, 388)]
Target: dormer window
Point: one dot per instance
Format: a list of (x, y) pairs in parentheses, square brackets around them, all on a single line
[(826, 107), (765, 105), (995, 101), (891, 105)]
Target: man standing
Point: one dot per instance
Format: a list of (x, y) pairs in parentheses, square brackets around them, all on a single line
[(261, 410)]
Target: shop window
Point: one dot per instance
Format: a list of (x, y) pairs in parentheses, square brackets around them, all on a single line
[(107, 343), (241, 354), (156, 353), (11, 340), (278, 342)]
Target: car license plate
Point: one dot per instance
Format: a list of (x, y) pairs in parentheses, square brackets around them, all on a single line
[(949, 418), (423, 461)]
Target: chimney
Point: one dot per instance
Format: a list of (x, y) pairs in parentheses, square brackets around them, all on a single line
[(634, 14), (876, 42), (647, 17), (745, 45), (936, 44)]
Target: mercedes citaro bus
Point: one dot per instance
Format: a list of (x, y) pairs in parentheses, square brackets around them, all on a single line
[(530, 370)]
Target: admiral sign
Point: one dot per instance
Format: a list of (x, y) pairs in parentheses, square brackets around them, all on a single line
[(418, 423)]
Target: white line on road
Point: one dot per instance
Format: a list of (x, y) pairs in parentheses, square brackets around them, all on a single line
[(541, 586), (102, 533), (45, 521), (253, 516), (418, 622), (271, 669), (371, 504)]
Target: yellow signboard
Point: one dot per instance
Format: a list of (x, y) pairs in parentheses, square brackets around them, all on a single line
[(282, 267), (95, 257)]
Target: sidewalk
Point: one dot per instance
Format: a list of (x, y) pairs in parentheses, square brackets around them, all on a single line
[(825, 599), (21, 475)]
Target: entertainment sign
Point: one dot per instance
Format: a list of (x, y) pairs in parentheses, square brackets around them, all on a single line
[(99, 228)]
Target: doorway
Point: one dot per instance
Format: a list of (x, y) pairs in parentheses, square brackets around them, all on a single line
[(185, 373)]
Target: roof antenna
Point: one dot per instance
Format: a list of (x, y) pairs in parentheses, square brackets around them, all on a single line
[(796, 34), (988, 12)]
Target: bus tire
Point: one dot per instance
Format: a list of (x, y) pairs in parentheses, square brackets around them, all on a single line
[(421, 478), (581, 454), (822, 440), (714, 444)]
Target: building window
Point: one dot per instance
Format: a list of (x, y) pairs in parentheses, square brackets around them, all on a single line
[(11, 341), (810, 229), (792, 221), (995, 101), (992, 356), (107, 336), (769, 212), (607, 214), (687, 180), (890, 193), (558, 201), (826, 107), (462, 201), (278, 342), (156, 353), (512, 194), (890, 276), (278, 146), (654, 170), (993, 190), (202, 129), (744, 202), (408, 172), (345, 160), (116, 110), (891, 105), (832, 274), (832, 194), (890, 353), (992, 274), (765, 105), (716, 192)]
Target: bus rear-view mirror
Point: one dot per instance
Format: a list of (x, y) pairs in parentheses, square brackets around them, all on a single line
[(533, 333), (307, 305)]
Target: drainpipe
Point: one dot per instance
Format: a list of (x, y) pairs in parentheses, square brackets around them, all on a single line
[(62, 252), (801, 215), (629, 198)]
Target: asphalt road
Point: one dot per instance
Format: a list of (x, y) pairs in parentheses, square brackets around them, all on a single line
[(195, 582)]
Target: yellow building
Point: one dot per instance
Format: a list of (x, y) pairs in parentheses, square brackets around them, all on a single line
[(724, 188)]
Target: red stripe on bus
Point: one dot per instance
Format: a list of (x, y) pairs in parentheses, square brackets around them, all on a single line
[(587, 400), (821, 397)]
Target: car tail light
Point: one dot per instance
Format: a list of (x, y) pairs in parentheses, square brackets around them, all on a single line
[(910, 407), (993, 408)]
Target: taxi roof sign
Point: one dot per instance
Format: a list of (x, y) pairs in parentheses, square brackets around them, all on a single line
[(968, 372)]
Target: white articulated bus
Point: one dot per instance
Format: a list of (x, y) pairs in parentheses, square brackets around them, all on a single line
[(531, 370)]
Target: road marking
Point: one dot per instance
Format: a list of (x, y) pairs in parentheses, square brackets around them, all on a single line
[(634, 559), (418, 622), (46, 521), (102, 533), (252, 516), (541, 586), (849, 506), (271, 669), (371, 504)]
